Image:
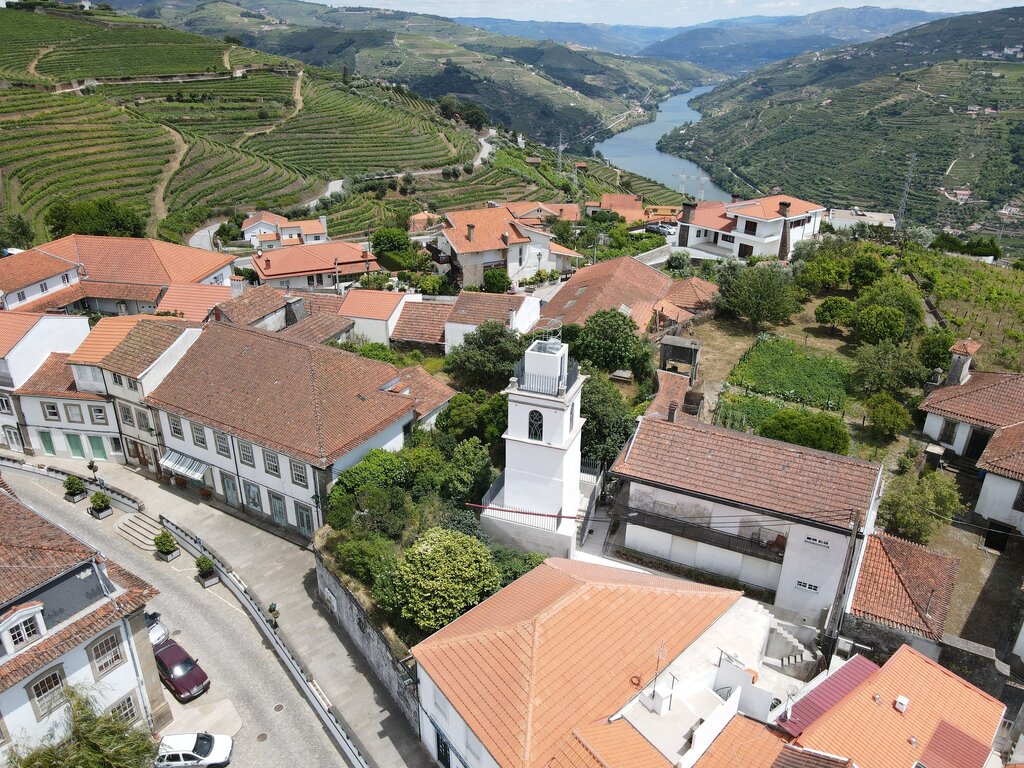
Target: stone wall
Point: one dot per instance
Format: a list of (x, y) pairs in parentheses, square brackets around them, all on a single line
[(356, 623)]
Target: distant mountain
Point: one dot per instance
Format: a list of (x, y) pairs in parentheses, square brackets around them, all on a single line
[(742, 45), (614, 38)]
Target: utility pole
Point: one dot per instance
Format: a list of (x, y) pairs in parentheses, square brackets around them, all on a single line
[(559, 151), (906, 191)]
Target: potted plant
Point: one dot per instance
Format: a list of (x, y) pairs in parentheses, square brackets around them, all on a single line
[(166, 545), (207, 571), (99, 505), (74, 489)]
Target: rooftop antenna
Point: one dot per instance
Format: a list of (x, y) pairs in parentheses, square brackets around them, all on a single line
[(657, 666), (906, 191)]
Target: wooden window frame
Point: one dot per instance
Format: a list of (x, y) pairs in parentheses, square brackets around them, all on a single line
[(43, 406), (217, 437), (118, 649), (294, 465), (177, 430), (198, 434), (245, 449), (37, 710)]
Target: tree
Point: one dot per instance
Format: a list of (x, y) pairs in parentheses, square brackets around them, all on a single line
[(876, 323), (933, 348), (379, 468), (444, 574), (474, 115), (609, 422), (826, 271), (813, 429), (15, 231), (497, 281), (885, 367), (759, 294), (486, 359), (97, 216), (835, 311), (93, 739), (383, 511), (469, 473), (609, 340), (914, 507), (513, 563), (366, 558), (448, 106), (389, 240), (865, 268), (895, 293), (888, 418)]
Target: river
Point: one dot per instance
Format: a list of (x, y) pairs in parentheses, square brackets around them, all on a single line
[(634, 150)]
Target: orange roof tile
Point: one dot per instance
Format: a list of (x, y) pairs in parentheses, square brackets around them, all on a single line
[(672, 388), (556, 650), (105, 335), (264, 216), (31, 266), (987, 399), (768, 208), (309, 226), (318, 258), (13, 327), (692, 293), (192, 300), (669, 311), (743, 742), (255, 303), (268, 237), (1004, 454), (317, 328), (474, 307), (91, 289), (711, 214), (143, 345), (948, 723), (490, 226), (54, 378), (422, 321), (608, 745), (826, 694), (428, 393), (966, 346), (905, 586), (562, 250), (371, 305)]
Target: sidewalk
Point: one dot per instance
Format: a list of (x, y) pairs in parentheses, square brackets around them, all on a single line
[(280, 572)]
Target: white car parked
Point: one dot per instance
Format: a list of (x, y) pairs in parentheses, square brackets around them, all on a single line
[(157, 631), (194, 749)]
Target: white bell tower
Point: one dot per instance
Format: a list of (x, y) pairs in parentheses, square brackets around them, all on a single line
[(542, 442)]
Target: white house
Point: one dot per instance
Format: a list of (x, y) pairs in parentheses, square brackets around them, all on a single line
[(763, 512), (320, 410), (314, 267), (68, 618), (26, 340), (269, 231), (765, 226), (516, 312), (31, 274), (847, 219), (375, 313)]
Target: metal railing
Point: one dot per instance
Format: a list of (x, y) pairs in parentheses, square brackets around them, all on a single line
[(592, 499), (118, 498), (546, 385), (762, 543), (320, 704), (543, 520)]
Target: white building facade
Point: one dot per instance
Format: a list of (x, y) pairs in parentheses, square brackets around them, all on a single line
[(764, 227)]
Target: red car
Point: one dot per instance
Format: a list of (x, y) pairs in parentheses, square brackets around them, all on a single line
[(180, 672)]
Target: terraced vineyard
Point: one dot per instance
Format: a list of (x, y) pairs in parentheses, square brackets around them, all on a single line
[(653, 192), (363, 211), (337, 133), (25, 35)]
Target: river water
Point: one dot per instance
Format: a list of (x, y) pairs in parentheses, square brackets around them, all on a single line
[(634, 150)]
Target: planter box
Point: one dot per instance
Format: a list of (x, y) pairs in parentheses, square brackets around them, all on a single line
[(169, 555), (100, 514), (208, 581), (76, 498)]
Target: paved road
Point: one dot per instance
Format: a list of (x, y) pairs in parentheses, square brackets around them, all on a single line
[(211, 625)]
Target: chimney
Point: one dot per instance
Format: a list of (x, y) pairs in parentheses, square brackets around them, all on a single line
[(960, 366), (736, 198), (687, 215), (323, 223), (512, 319), (673, 409), (901, 704), (237, 286), (266, 263), (784, 239), (504, 238), (784, 207), (469, 231)]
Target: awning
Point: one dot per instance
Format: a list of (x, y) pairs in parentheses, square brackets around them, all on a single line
[(180, 464)]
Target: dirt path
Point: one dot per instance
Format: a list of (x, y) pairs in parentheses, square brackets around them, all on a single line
[(296, 96), (159, 207), (32, 64), (227, 58)]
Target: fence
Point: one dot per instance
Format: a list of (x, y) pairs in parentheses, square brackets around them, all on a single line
[(118, 498), (321, 705), (546, 385)]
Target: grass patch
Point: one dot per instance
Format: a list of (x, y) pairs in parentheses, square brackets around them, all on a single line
[(743, 412), (777, 367)]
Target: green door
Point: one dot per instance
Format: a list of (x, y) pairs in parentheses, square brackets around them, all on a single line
[(75, 445), (47, 440), (277, 508), (99, 451)]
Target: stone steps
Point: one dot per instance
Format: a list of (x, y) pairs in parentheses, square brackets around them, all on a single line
[(139, 529)]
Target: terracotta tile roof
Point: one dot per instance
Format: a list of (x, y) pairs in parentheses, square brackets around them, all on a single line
[(948, 721), (966, 346), (322, 303), (711, 215), (422, 321), (143, 346), (474, 308), (905, 586), (54, 378), (252, 306), (1004, 454), (765, 474), (986, 399), (268, 237), (555, 650), (31, 266), (794, 757), (371, 305), (13, 327), (264, 216), (490, 224), (192, 300), (522, 208), (107, 334), (767, 208), (90, 289), (317, 328), (318, 258), (608, 745), (310, 227), (827, 694), (692, 293), (672, 388), (428, 393), (622, 283), (669, 311), (629, 207), (137, 259), (315, 403), (743, 742), (561, 250)]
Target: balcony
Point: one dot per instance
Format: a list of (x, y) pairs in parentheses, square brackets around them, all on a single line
[(546, 385), (762, 543)]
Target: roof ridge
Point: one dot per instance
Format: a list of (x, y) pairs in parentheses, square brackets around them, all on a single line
[(318, 410), (532, 682), (575, 732)]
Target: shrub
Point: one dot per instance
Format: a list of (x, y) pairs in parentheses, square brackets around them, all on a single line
[(609, 422), (885, 367), (933, 348), (812, 429), (914, 507), (486, 358), (513, 563), (609, 340), (888, 418), (497, 281), (876, 323), (380, 468), (99, 500), (835, 311), (367, 558), (73, 485), (165, 542), (205, 567), (743, 412)]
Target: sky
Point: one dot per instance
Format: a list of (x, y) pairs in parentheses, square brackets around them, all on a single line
[(654, 13)]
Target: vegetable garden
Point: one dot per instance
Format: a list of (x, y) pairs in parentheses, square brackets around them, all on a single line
[(777, 367)]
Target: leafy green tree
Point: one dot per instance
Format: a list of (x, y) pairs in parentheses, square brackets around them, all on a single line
[(895, 293), (497, 281), (609, 422), (388, 240), (384, 511), (379, 468), (835, 311), (448, 106), (563, 232), (888, 418), (367, 558), (469, 474), (813, 429), (442, 575), (827, 271), (759, 294), (933, 348), (914, 507), (474, 115), (430, 285), (885, 367), (461, 519), (609, 341), (513, 563), (866, 268), (876, 323), (15, 231), (96, 216), (94, 739), (486, 359)]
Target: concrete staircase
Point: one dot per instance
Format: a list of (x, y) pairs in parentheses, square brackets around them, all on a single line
[(786, 654), (139, 529)]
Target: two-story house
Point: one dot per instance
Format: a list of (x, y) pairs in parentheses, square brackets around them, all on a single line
[(766, 513), (314, 267), (764, 226), (517, 312), (26, 340), (29, 275), (269, 231), (68, 617), (320, 410)]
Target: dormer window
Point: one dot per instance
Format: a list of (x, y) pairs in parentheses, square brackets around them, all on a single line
[(25, 632), (22, 628)]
